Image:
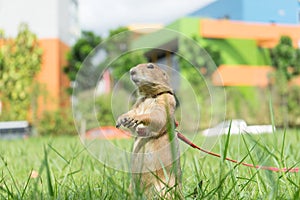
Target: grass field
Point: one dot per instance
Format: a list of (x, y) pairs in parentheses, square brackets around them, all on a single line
[(67, 171)]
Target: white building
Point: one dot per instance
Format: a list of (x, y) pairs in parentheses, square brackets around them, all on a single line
[(47, 18), (56, 24)]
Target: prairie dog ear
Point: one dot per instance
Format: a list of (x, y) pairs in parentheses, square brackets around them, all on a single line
[(150, 66)]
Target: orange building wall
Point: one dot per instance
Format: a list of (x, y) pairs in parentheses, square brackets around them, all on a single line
[(242, 75), (53, 81), (51, 76), (266, 35), (64, 80)]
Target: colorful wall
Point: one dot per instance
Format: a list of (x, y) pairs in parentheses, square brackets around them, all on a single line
[(51, 77), (240, 43)]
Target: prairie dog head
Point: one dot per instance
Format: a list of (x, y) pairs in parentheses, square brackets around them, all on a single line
[(150, 79)]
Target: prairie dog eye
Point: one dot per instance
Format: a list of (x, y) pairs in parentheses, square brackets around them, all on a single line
[(150, 66)]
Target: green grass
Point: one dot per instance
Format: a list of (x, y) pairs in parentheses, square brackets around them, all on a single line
[(68, 171)]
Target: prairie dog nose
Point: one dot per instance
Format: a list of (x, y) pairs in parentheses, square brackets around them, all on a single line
[(132, 71)]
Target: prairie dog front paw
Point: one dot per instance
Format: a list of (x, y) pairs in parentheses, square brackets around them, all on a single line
[(126, 121), (142, 130), (132, 121)]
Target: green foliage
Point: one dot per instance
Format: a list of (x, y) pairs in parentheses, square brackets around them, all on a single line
[(79, 51), (117, 31), (285, 58), (248, 103), (205, 59), (197, 65), (251, 105), (197, 60), (20, 61), (119, 45), (56, 123), (125, 62), (104, 111), (293, 106), (117, 50), (296, 64), (215, 54)]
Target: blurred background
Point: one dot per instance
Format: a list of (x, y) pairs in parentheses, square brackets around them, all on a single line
[(254, 46)]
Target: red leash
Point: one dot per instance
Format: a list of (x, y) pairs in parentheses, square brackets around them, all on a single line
[(275, 169)]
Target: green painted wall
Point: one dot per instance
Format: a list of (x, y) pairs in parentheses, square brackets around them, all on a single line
[(187, 26), (153, 40), (240, 51), (233, 51)]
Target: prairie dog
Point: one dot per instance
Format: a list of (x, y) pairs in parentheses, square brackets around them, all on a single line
[(154, 168)]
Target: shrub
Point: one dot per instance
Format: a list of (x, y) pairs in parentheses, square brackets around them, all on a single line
[(248, 103), (293, 106), (104, 110), (58, 122)]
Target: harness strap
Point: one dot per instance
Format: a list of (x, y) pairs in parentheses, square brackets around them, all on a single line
[(161, 93)]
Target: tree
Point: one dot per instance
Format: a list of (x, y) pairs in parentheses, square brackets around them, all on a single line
[(120, 43), (115, 46), (296, 64), (196, 59), (285, 58), (20, 61), (79, 52), (201, 58), (195, 64), (286, 61)]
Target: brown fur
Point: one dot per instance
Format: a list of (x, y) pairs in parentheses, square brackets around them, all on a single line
[(154, 169)]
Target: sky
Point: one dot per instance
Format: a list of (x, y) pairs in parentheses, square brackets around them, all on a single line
[(101, 16)]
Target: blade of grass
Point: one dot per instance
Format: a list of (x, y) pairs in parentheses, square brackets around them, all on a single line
[(247, 148), (196, 167), (89, 191), (40, 171), (248, 154), (172, 141), (265, 148), (10, 175), (164, 170), (26, 185), (249, 180), (223, 158), (271, 113), (231, 189), (116, 185), (59, 154), (7, 190), (293, 183), (48, 173), (282, 147), (282, 163), (238, 164), (296, 194), (226, 143), (220, 183)]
